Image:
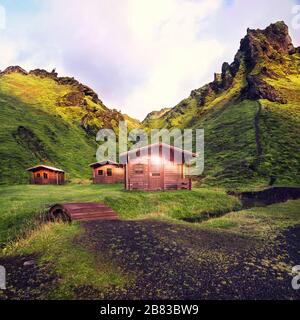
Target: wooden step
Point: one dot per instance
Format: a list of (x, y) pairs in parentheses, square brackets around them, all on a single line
[(91, 210), (103, 215), (83, 211)]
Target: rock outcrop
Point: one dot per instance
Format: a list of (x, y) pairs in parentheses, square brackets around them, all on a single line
[(258, 45), (61, 80), (259, 89), (14, 69)]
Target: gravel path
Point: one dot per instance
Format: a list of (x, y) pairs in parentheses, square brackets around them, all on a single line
[(172, 261)]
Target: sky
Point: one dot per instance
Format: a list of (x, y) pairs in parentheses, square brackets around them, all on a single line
[(138, 55)]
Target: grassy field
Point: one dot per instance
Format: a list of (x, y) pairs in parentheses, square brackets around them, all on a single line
[(19, 205), (56, 245), (259, 222), (22, 205)]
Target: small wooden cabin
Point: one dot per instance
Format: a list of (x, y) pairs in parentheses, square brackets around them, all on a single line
[(107, 172), (42, 174), (157, 167)]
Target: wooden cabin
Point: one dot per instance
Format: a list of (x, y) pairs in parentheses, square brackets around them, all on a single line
[(157, 167), (42, 174), (107, 172)]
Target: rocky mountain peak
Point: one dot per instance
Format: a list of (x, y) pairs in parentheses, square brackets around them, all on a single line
[(258, 49), (266, 43)]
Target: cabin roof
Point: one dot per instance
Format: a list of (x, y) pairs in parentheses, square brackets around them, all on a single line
[(105, 162), (41, 166), (159, 145)]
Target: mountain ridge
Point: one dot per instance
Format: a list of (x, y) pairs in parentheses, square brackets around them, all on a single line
[(50, 119), (250, 113), (252, 50), (256, 95)]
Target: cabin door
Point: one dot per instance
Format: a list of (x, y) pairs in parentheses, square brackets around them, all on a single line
[(155, 176)]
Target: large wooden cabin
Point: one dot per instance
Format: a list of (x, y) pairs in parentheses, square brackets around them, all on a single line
[(42, 174), (107, 172), (157, 167)]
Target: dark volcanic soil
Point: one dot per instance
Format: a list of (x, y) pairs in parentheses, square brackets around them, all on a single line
[(267, 196), (170, 261), (178, 262), (26, 282)]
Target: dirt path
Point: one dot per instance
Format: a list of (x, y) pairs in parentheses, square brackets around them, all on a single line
[(178, 262), (259, 149)]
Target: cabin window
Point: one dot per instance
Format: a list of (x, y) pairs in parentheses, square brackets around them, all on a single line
[(138, 169), (109, 172), (38, 175), (100, 172), (155, 174), (45, 175)]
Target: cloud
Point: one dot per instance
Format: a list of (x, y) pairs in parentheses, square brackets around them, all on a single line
[(139, 55)]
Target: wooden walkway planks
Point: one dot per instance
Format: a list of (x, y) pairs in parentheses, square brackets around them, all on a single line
[(83, 211)]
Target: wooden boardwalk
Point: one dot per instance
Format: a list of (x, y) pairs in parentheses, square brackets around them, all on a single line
[(85, 211)]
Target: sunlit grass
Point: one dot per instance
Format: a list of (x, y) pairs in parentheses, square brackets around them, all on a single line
[(259, 221), (19, 205)]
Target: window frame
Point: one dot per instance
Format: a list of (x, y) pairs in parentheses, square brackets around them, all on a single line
[(139, 171)]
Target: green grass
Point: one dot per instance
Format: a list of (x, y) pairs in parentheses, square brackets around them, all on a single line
[(172, 204), (19, 205), (280, 131), (54, 243), (40, 125), (263, 222), (75, 266), (231, 158), (30, 135)]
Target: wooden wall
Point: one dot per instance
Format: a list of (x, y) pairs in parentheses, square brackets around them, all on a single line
[(116, 177), (39, 177), (145, 174)]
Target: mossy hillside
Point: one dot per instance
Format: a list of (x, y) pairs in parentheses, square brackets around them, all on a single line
[(280, 128), (52, 97), (230, 147), (30, 136), (46, 122), (251, 129)]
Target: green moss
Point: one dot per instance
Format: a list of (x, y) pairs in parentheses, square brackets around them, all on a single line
[(75, 266), (263, 222), (231, 151), (39, 126)]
